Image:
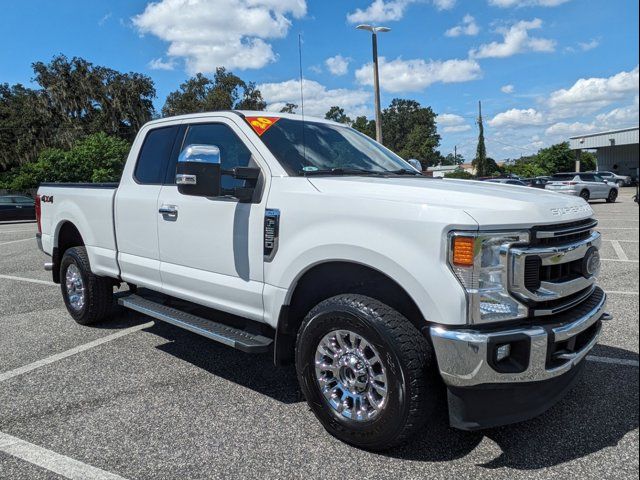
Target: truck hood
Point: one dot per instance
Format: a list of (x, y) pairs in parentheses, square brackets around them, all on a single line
[(490, 204)]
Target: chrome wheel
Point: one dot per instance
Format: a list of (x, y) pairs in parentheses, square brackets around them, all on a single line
[(75, 287), (351, 375)]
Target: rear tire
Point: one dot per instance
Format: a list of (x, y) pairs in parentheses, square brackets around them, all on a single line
[(613, 196), (387, 350), (585, 195), (88, 297)]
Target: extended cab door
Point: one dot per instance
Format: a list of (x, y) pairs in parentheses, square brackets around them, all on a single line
[(211, 249), (136, 204)]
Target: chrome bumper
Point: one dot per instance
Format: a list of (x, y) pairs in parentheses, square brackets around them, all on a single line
[(464, 356)]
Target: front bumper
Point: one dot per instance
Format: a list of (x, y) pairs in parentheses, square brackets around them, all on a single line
[(544, 355)]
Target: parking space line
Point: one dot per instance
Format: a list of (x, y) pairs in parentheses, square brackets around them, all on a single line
[(624, 241), (615, 361), (52, 461), (619, 292), (618, 260), (73, 351), (617, 228), (16, 241), (31, 280), (619, 251)]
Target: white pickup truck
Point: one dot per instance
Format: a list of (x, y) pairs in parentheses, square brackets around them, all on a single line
[(308, 239)]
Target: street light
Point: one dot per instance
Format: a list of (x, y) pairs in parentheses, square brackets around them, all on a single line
[(376, 81)]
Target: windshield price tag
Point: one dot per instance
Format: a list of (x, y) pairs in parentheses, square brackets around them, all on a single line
[(261, 124)]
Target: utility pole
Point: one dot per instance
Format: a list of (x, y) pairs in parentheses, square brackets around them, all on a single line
[(376, 80), (455, 154)]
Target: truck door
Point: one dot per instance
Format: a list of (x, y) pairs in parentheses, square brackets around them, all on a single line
[(211, 249), (136, 205)]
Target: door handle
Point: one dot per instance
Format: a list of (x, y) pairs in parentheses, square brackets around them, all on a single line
[(168, 210)]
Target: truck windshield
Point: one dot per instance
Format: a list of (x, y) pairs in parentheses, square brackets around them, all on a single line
[(312, 148)]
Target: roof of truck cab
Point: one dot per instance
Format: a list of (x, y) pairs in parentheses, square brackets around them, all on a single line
[(243, 114)]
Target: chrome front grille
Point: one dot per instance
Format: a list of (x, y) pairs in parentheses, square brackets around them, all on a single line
[(550, 275)]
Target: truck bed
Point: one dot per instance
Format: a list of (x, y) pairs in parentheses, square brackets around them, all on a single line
[(88, 206)]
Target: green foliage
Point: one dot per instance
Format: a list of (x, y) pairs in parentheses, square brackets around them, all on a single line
[(225, 92), (337, 115), (75, 98), (460, 174), (289, 108), (483, 167), (96, 158), (452, 159), (550, 160), (364, 125), (410, 130)]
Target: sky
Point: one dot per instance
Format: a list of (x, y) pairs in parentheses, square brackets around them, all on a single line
[(544, 70)]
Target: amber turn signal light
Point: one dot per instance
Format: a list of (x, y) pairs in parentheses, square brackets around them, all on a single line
[(463, 251)]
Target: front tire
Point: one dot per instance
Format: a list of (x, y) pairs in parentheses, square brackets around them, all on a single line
[(367, 373), (88, 297), (613, 196)]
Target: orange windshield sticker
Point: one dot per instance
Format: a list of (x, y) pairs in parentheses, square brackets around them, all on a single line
[(261, 124)]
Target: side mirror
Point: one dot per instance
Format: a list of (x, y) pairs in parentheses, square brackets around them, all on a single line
[(415, 164), (199, 171)]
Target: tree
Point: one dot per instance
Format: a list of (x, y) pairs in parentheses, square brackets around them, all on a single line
[(96, 158), (550, 160), (410, 130), (483, 168), (225, 92), (460, 174), (289, 108), (452, 159), (337, 115), (364, 125)]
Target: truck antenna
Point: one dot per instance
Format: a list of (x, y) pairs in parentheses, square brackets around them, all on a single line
[(304, 143)]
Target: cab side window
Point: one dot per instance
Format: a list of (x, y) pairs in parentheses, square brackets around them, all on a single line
[(154, 155), (233, 152)]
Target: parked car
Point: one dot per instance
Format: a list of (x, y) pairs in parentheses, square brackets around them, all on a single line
[(620, 180), (537, 182), (506, 181), (589, 186), (336, 255), (17, 207)]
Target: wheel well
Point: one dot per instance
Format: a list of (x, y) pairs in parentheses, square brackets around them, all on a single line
[(68, 236), (335, 278)]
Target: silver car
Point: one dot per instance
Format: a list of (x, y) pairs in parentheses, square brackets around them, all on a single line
[(589, 186), (611, 177)]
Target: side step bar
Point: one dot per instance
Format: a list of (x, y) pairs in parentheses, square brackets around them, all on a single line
[(233, 337)]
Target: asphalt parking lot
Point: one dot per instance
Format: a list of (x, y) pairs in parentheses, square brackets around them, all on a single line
[(138, 399)]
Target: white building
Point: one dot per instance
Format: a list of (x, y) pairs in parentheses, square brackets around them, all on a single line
[(617, 150)]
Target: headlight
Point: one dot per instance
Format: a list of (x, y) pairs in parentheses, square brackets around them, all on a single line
[(479, 260)]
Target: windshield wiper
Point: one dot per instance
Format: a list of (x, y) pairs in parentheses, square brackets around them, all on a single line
[(339, 171), (404, 171)]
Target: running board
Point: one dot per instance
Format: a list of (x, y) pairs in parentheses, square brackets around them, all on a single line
[(230, 336)]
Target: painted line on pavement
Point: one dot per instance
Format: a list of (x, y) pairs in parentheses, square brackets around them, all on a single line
[(52, 461), (617, 228), (30, 280), (73, 351), (624, 241), (615, 361), (21, 240), (618, 260), (619, 292), (619, 251)]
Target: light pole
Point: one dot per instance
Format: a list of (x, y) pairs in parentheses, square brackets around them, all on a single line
[(376, 81)]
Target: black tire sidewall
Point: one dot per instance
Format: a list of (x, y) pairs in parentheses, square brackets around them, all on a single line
[(585, 195), (613, 196), (386, 426)]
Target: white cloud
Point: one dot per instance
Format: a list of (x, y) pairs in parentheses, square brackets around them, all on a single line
[(104, 19), (338, 65), (414, 75), (620, 117), (212, 33), (516, 40), (518, 117), (563, 129), (452, 123), (317, 98), (390, 10), (160, 64), (509, 89), (467, 27), (526, 3), (586, 46), (589, 95)]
